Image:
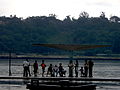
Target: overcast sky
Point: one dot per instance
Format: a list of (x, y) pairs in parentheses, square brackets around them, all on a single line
[(62, 8)]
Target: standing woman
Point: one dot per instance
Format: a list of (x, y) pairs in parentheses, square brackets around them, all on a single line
[(35, 66), (86, 68)]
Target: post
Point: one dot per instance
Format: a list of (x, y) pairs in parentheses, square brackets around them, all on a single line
[(10, 64)]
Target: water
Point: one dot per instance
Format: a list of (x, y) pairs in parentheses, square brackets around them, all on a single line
[(101, 69)]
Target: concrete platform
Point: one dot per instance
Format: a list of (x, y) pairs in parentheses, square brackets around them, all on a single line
[(63, 78)]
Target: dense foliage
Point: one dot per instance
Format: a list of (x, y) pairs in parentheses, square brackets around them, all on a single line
[(19, 34)]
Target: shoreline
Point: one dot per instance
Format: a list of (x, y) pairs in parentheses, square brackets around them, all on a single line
[(55, 57)]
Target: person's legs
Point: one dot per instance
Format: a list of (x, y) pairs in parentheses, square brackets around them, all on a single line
[(43, 72), (86, 73), (90, 72), (28, 71), (24, 72)]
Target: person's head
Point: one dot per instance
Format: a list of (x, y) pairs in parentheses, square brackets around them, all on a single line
[(60, 64), (71, 61), (85, 60), (27, 60), (50, 64), (55, 65), (42, 61), (35, 61), (76, 61)]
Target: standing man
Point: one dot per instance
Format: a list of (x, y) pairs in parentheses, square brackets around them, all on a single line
[(76, 68), (71, 67), (43, 65), (60, 70), (90, 63), (86, 68), (35, 66), (26, 71)]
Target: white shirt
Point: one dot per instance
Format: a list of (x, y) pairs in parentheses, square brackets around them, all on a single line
[(26, 64)]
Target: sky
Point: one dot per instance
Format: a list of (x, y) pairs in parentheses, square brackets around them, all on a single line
[(61, 8)]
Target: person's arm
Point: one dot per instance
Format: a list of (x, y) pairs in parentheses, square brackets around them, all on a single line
[(23, 64), (29, 64)]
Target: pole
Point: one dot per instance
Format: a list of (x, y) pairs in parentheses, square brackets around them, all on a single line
[(10, 64)]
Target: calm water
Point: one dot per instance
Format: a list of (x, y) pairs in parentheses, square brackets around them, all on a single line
[(102, 69)]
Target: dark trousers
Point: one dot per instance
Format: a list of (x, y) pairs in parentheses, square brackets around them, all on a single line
[(70, 72), (90, 72), (26, 72), (86, 72)]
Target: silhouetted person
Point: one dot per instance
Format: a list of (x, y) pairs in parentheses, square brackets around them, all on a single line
[(86, 68), (90, 63), (61, 70), (26, 71), (50, 70), (43, 65), (76, 68), (55, 70), (82, 72), (71, 67), (35, 66)]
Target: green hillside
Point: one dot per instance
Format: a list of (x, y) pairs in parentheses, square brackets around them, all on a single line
[(19, 34)]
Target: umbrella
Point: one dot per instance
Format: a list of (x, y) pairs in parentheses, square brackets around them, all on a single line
[(71, 47)]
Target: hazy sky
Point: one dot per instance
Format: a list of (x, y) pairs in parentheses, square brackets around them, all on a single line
[(62, 8)]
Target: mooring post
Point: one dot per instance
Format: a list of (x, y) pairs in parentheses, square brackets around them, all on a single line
[(10, 64)]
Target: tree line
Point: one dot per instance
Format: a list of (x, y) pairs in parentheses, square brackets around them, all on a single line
[(18, 35)]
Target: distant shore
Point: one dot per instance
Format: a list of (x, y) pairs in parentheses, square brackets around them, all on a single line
[(62, 57)]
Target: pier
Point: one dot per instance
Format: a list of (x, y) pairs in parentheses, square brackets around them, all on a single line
[(64, 78)]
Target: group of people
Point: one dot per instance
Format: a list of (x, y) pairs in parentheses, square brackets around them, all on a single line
[(52, 71), (87, 69), (55, 70), (26, 66), (26, 71)]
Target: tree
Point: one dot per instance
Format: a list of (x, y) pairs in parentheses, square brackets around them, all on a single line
[(84, 15), (114, 19), (102, 15)]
